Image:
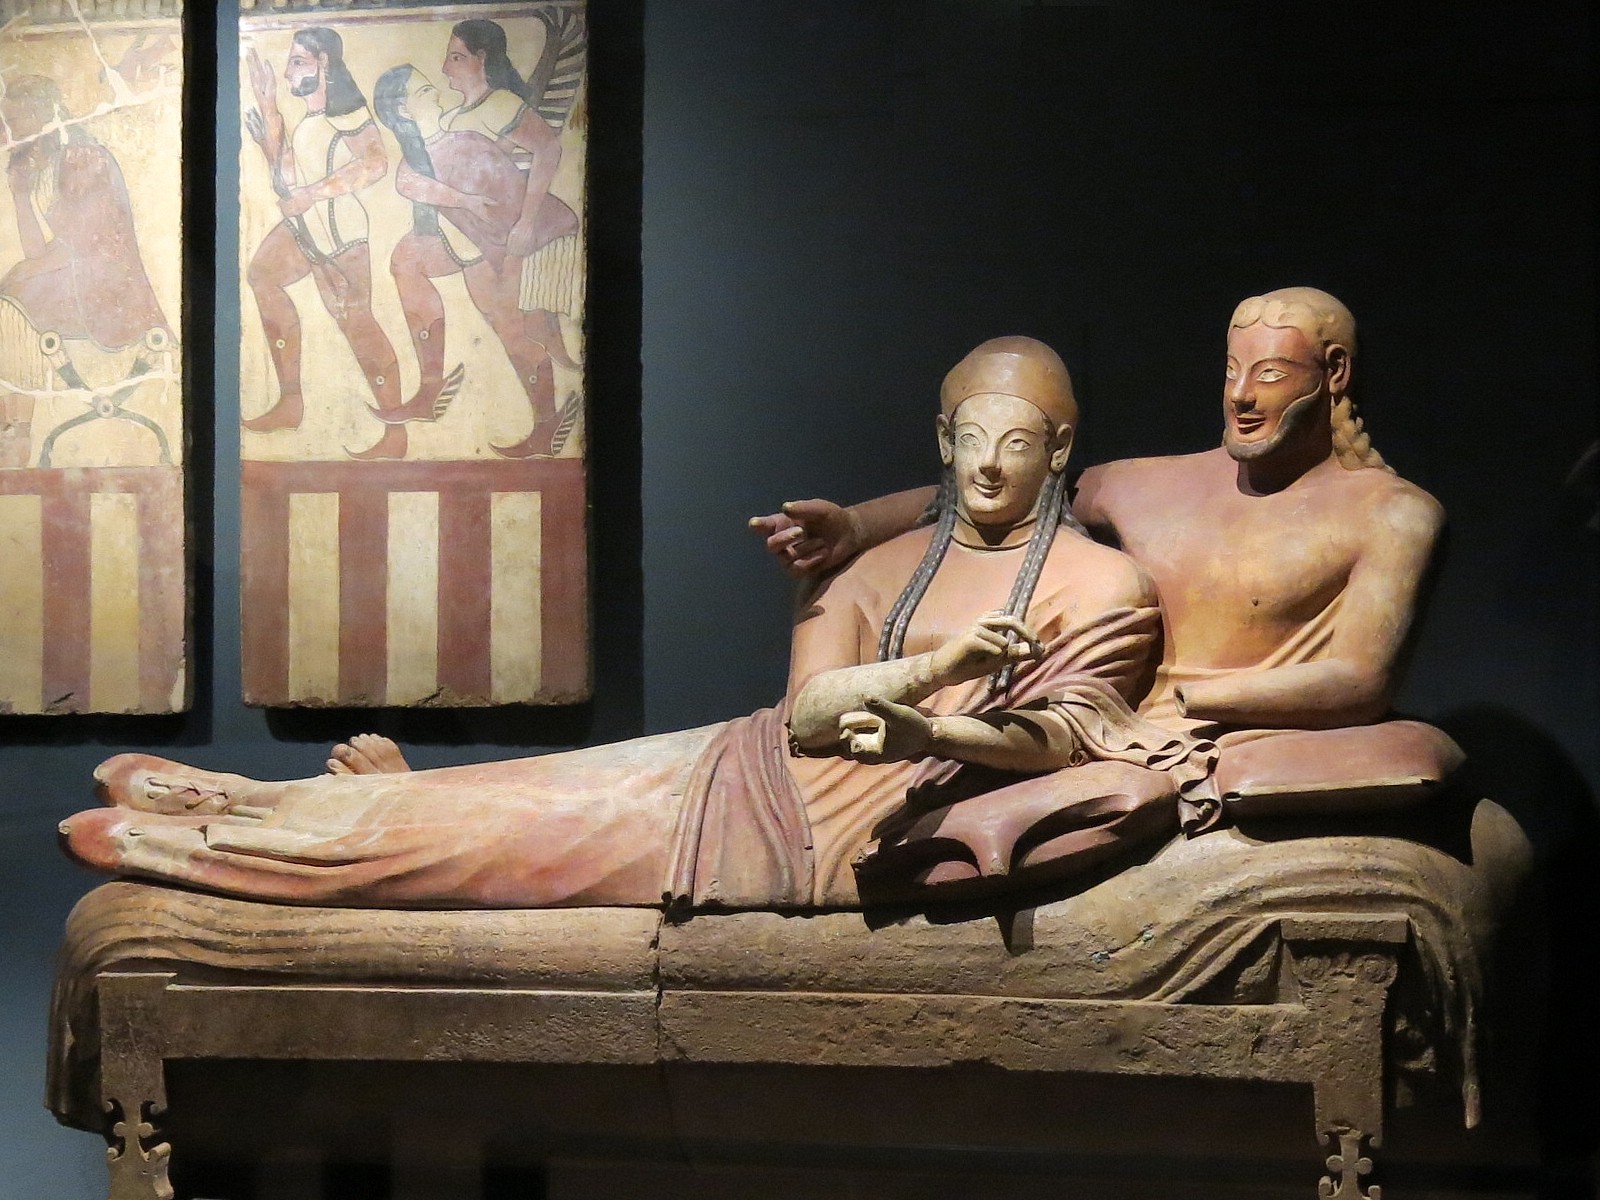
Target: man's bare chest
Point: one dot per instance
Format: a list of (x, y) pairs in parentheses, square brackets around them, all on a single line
[(1258, 561)]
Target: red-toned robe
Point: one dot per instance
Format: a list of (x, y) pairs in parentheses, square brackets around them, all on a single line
[(89, 282)]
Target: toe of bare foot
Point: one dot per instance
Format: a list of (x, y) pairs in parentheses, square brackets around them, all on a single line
[(344, 760), (367, 754), (383, 753)]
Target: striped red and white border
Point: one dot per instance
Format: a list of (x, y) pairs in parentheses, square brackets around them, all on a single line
[(331, 566)]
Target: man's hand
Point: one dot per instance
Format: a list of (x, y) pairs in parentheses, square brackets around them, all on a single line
[(810, 536), (296, 202), (994, 641), (886, 732)]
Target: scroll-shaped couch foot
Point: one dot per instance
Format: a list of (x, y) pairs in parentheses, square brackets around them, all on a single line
[(1346, 1168), (136, 1158)]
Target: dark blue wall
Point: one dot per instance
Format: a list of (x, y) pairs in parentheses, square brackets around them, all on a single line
[(838, 199)]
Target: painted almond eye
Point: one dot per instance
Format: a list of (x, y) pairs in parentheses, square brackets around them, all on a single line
[(969, 440), (1270, 375)]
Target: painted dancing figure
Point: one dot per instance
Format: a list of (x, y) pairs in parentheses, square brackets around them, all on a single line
[(333, 153), (479, 177)]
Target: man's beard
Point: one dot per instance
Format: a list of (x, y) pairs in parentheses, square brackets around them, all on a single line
[(1292, 417), (307, 85)]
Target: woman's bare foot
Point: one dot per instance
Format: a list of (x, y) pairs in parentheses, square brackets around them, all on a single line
[(367, 754)]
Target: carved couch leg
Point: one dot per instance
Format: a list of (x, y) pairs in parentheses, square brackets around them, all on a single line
[(137, 1160), (133, 1086), (1345, 1169), (1344, 967)]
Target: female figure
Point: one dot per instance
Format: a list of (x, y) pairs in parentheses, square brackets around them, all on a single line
[(950, 671)]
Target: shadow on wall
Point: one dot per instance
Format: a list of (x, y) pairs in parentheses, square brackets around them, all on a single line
[(1546, 1033)]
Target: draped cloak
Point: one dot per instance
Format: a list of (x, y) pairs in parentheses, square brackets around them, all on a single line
[(761, 827), (89, 282)]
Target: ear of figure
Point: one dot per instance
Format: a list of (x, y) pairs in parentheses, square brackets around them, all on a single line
[(1339, 361), (947, 444), (1063, 447)]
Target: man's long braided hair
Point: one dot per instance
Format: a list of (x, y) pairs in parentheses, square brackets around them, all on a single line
[(1053, 512)]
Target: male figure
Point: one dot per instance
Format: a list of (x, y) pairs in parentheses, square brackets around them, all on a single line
[(333, 153), (1288, 560), (971, 657)]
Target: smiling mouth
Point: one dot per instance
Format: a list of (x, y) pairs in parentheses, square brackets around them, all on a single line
[(1248, 423)]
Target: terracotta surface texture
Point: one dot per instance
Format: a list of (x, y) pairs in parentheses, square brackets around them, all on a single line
[(1025, 642), (93, 600), (961, 712), (411, 385), (1123, 805), (1221, 957), (1287, 561)]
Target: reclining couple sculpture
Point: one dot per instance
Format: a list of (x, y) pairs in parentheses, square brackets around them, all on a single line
[(1009, 692)]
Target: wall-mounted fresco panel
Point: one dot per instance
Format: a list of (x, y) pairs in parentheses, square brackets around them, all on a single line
[(412, 399), (94, 587)]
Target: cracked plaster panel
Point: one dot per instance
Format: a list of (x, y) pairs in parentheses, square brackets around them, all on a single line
[(93, 600)]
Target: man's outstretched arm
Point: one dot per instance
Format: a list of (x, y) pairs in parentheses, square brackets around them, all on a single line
[(810, 537)]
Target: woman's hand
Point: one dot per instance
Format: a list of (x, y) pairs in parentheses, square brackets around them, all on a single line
[(886, 732), (994, 641)]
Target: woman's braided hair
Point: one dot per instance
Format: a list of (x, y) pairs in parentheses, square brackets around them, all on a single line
[(1053, 512), (1327, 322)]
